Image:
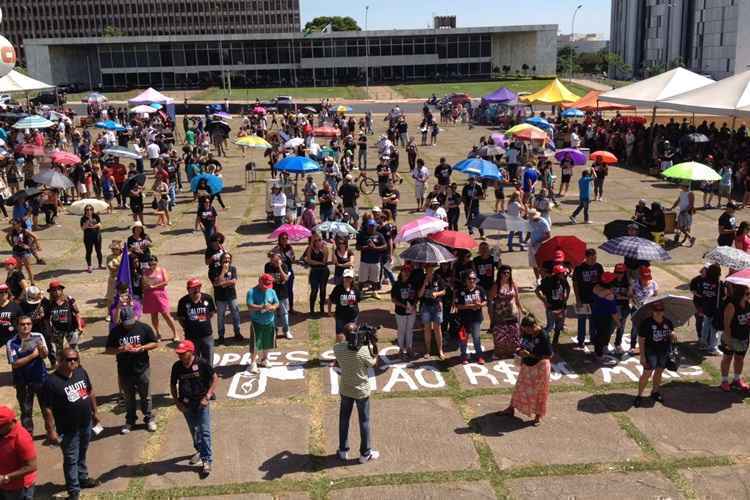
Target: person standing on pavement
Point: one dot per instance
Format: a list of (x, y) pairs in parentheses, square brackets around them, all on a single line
[(224, 279), (554, 291), (655, 338), (18, 462), (420, 173), (69, 412), (734, 341), (685, 203), (91, 225), (585, 276), (349, 193), (372, 245), (192, 384), (727, 226), (472, 194), (355, 360), (9, 313), (278, 269), (346, 297), (470, 300), (15, 279), (584, 197), (194, 312), (62, 317), (262, 302), (130, 341), (443, 175)]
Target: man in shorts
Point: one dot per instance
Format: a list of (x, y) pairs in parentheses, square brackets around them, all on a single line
[(372, 245), (685, 202)]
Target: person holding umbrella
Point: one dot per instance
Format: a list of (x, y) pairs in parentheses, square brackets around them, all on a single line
[(655, 337), (430, 293), (734, 341), (566, 167)]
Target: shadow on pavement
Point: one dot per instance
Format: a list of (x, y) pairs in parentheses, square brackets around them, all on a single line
[(286, 462), (493, 424)]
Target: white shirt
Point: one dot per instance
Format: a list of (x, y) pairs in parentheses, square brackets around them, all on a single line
[(278, 203), (420, 175), (440, 213), (153, 151), (575, 141)]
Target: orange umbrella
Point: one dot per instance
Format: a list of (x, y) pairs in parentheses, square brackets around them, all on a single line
[(591, 102), (606, 157)]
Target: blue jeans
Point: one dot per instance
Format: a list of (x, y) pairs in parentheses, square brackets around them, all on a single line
[(582, 328), (234, 310), (556, 323), (708, 333), (582, 205), (204, 347), (511, 234), (282, 315), (624, 311), (172, 193), (363, 412), (74, 446), (385, 269), (199, 425), (326, 214), (22, 494), (473, 330)]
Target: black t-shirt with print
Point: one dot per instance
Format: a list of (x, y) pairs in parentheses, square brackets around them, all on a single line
[(586, 277), (196, 316), (282, 292), (68, 398), (657, 335), (131, 363), (346, 302), (223, 293), (555, 292), (741, 322), (443, 174), (727, 221), (405, 293), (9, 314), (61, 316), (706, 292), (435, 285), (193, 382), (485, 269), (468, 297), (207, 216)]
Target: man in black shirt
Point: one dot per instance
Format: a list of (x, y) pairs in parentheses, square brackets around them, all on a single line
[(443, 175), (554, 291), (727, 226), (472, 194), (384, 174), (391, 197), (130, 341), (192, 384), (349, 193), (194, 312), (224, 278), (9, 313), (585, 276), (69, 410), (15, 279)]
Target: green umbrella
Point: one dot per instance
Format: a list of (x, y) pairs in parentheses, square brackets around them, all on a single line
[(326, 151), (692, 171)]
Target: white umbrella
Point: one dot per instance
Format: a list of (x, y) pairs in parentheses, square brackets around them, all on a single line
[(294, 143), (730, 257), (122, 152), (76, 208), (677, 309), (503, 222), (142, 109)]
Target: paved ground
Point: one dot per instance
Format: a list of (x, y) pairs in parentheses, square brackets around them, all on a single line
[(275, 435)]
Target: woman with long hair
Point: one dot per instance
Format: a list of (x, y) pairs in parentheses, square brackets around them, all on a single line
[(742, 239), (655, 338), (734, 341), (506, 312), (155, 298), (531, 392), (316, 256), (430, 293), (92, 235), (343, 259), (404, 298)]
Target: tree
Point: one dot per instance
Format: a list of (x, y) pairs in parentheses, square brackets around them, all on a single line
[(506, 70), (110, 30), (337, 23), (616, 66), (533, 70), (563, 60), (525, 69)]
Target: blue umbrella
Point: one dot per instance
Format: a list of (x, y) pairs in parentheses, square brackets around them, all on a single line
[(572, 113), (110, 125), (215, 184), (156, 105), (297, 165), (538, 121), (478, 167)]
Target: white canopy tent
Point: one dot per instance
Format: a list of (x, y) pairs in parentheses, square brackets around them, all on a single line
[(727, 97), (650, 92), (18, 82), (150, 96)]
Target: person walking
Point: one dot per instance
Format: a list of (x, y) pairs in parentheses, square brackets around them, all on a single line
[(69, 411), (420, 173), (194, 312), (155, 297), (130, 340), (734, 341), (18, 458), (531, 392), (192, 384), (355, 360), (224, 278), (584, 197), (262, 302), (472, 194), (655, 338), (685, 203), (92, 235)]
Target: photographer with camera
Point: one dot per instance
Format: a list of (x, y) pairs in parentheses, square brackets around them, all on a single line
[(356, 353)]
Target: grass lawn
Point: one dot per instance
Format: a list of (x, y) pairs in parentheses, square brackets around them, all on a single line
[(217, 94), (478, 89), (112, 96)]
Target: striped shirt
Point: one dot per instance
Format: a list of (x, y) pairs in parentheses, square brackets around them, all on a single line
[(354, 381)]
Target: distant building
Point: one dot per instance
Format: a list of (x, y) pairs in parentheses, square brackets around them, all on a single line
[(706, 36), (589, 43)]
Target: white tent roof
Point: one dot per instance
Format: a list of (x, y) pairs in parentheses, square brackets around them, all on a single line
[(150, 95), (18, 82), (727, 97), (649, 92)]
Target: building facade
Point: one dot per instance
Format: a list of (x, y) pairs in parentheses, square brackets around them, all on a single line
[(293, 59), (706, 36), (24, 19)]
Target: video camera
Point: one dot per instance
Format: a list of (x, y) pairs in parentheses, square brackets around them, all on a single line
[(364, 335)]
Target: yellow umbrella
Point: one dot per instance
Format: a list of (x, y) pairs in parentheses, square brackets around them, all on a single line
[(527, 131), (554, 93), (252, 141), (343, 109)]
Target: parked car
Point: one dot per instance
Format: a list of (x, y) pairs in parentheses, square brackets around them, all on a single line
[(46, 98)]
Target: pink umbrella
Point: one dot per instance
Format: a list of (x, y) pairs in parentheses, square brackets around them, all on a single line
[(295, 232), (259, 110), (64, 158), (420, 228)]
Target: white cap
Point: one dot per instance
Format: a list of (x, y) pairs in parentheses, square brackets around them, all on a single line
[(348, 273), (376, 210)]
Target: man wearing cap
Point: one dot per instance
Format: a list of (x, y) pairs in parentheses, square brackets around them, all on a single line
[(262, 302), (443, 173), (585, 276), (130, 341), (420, 174), (69, 411), (9, 312), (194, 312), (372, 245), (435, 210), (15, 279), (62, 317), (727, 226), (18, 464), (31, 305), (554, 291), (349, 193), (192, 384)]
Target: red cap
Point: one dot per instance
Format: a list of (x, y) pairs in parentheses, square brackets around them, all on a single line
[(185, 346), (620, 268), (3, 287), (645, 272), (10, 260), (266, 281), (194, 283), (55, 284), (608, 278), (558, 269), (7, 415), (559, 256)]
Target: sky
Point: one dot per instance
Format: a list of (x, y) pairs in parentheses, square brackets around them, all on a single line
[(400, 14)]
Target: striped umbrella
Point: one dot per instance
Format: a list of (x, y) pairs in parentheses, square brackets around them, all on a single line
[(52, 178), (34, 121), (635, 248), (427, 253), (420, 228)]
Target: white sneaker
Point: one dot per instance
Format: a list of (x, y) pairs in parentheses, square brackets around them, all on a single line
[(373, 455), (288, 335), (196, 459), (342, 455), (151, 426), (572, 220), (126, 429), (254, 368), (589, 222)]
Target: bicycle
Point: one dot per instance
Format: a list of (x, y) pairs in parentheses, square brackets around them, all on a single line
[(367, 185)]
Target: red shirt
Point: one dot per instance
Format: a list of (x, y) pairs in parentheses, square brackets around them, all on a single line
[(119, 172), (16, 448)]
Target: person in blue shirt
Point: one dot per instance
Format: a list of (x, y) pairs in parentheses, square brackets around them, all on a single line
[(584, 197), (262, 302), (26, 352), (530, 178)]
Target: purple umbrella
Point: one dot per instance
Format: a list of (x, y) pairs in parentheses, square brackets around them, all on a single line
[(499, 139), (574, 154)]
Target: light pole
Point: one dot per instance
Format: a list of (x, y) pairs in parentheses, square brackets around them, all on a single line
[(572, 38), (668, 7), (367, 54)]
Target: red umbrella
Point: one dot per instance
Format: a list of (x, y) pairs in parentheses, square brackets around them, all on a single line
[(454, 239), (574, 248), (607, 157), (28, 149), (326, 131), (64, 158)]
